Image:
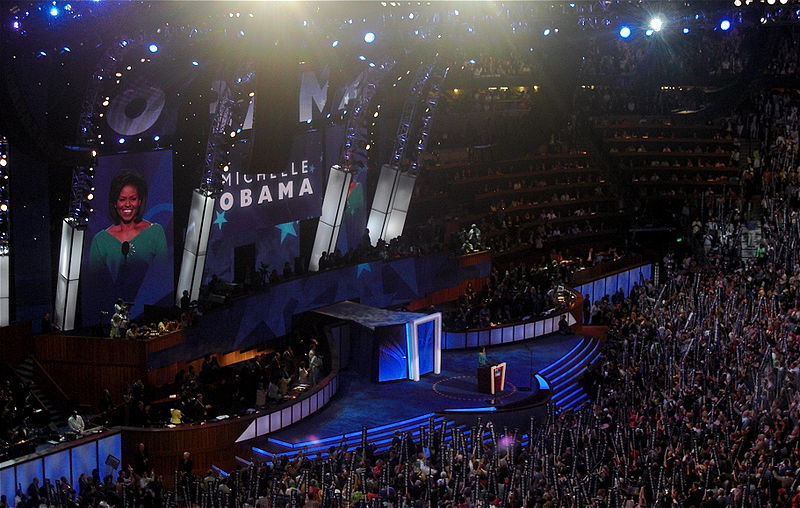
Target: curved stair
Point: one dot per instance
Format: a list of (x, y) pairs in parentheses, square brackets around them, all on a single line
[(563, 376)]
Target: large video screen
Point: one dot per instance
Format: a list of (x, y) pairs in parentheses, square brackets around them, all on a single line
[(256, 221), (129, 254)]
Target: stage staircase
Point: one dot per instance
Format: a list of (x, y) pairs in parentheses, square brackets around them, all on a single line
[(563, 376), (379, 437), (56, 419)]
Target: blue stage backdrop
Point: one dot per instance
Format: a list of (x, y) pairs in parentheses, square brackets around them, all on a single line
[(137, 268), (264, 209), (255, 320)]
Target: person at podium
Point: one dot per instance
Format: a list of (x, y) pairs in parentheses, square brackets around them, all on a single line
[(483, 360)]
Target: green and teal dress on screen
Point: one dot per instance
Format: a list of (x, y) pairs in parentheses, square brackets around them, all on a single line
[(126, 266)]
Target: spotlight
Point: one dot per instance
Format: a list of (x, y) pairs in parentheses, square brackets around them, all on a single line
[(54, 11), (771, 2), (153, 48), (784, 2), (362, 57), (546, 32), (334, 44), (90, 196), (195, 63), (369, 37), (686, 29), (66, 49), (156, 138), (725, 25), (15, 25), (649, 32), (625, 32), (123, 43), (121, 141), (656, 24), (737, 3)]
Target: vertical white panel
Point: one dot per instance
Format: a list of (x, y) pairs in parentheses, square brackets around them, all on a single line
[(195, 244), (69, 270), (330, 220), (381, 202), (400, 201), (5, 283)]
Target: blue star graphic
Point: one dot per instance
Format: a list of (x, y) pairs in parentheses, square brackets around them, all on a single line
[(363, 267), (311, 168), (220, 220), (286, 230)]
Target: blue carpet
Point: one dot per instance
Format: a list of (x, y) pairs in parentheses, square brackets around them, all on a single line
[(363, 402)]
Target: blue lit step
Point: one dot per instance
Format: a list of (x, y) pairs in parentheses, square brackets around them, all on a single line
[(566, 357), (578, 362), (389, 428), (554, 369), (352, 440)]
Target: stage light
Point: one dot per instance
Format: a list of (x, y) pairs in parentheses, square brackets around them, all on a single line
[(546, 32), (334, 44), (68, 7), (90, 196), (649, 32), (625, 32), (784, 2), (771, 2), (42, 53), (54, 11), (153, 48), (121, 141), (3, 162), (15, 25), (156, 138), (411, 15), (737, 3), (362, 57), (369, 37), (725, 25), (4, 207), (195, 63), (656, 24), (66, 49), (686, 29)]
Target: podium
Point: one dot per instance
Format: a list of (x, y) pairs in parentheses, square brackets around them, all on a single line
[(492, 378)]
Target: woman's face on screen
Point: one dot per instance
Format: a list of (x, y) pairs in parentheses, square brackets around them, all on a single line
[(128, 203)]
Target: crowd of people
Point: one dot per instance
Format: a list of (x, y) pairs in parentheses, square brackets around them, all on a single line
[(516, 293), (695, 54), (198, 395), (17, 422)]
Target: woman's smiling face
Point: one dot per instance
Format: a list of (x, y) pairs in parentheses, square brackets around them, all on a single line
[(128, 203)]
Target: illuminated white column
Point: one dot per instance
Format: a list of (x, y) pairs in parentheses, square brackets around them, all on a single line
[(330, 221), (5, 290), (69, 273), (195, 245), (387, 216), (5, 259)]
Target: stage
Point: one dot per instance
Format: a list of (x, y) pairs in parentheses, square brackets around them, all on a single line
[(361, 402)]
